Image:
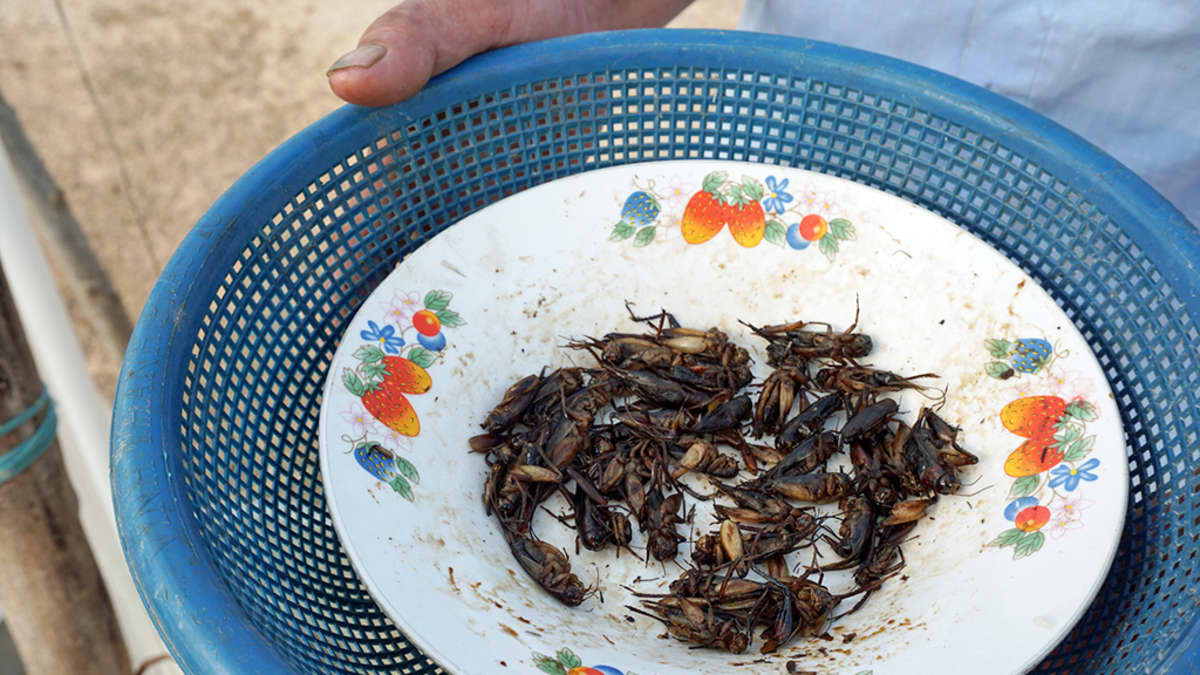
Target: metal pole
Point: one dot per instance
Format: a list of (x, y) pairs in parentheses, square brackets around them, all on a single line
[(57, 610), (83, 416)]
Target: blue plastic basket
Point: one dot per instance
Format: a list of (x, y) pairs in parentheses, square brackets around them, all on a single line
[(214, 451)]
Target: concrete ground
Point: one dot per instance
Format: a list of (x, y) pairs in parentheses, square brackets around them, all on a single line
[(144, 112)]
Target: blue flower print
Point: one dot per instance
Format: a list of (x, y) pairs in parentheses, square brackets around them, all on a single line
[(1068, 478), (385, 336), (777, 197)]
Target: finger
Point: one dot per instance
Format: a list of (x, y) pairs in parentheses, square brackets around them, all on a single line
[(410, 43), (418, 39)]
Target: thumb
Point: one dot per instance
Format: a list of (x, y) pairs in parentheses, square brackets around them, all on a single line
[(418, 39), (412, 42)]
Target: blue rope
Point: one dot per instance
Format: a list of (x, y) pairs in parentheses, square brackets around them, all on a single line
[(19, 458)]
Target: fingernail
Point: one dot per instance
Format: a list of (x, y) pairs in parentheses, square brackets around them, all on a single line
[(364, 57)]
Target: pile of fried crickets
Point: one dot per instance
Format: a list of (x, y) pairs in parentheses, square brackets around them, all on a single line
[(615, 439)]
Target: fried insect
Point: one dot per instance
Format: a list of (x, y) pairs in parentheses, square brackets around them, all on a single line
[(660, 390), (808, 456), (793, 344), (869, 418), (655, 423), (883, 557), (703, 457), (516, 399), (662, 517), (552, 390), (780, 391), (807, 422), (934, 460), (854, 534), (945, 439), (755, 505), (907, 511), (811, 611), (862, 379), (755, 543), (728, 415), (706, 583), (598, 524), (813, 488), (549, 567), (870, 478), (686, 621), (703, 359), (626, 440), (786, 607)]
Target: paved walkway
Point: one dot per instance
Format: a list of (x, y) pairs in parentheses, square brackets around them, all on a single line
[(145, 112)]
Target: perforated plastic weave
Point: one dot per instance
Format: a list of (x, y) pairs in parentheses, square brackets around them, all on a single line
[(215, 467)]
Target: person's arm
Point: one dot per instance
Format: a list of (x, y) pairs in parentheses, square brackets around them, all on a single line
[(418, 39)]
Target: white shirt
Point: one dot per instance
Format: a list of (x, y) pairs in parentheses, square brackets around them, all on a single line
[(1123, 74)]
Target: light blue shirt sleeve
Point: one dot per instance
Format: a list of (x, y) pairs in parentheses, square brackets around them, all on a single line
[(1123, 74)]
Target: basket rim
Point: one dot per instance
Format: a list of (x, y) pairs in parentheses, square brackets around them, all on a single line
[(196, 613)]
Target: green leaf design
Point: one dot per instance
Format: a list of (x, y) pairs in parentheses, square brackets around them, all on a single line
[(400, 485), (374, 371), (1079, 448), (752, 188), (1067, 434), (368, 354), (999, 370), (568, 658), (407, 469), (997, 348), (1028, 545), (644, 236), (450, 318), (621, 230), (828, 246), (438, 300), (841, 228), (353, 385), (548, 665), (421, 356), (1024, 486), (775, 232), (1007, 538), (734, 195), (713, 181), (1082, 411)]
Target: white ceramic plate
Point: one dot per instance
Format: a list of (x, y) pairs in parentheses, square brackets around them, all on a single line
[(995, 580)]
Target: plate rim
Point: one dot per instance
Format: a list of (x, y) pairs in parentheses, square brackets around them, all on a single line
[(414, 635)]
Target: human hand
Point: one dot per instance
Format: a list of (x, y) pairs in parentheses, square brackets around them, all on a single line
[(418, 39)]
